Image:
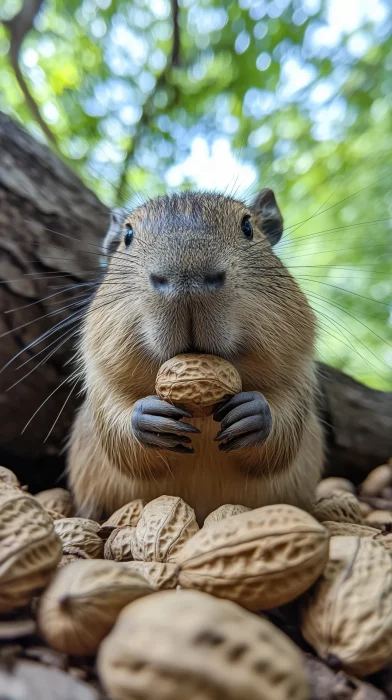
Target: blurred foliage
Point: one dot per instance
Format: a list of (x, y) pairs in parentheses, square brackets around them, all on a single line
[(292, 94)]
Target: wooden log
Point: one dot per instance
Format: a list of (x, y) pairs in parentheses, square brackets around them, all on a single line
[(51, 227), (358, 424)]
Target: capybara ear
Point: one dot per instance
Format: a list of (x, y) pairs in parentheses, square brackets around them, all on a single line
[(114, 233), (268, 216)]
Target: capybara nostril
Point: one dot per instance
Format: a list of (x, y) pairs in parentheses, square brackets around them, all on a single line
[(214, 280)]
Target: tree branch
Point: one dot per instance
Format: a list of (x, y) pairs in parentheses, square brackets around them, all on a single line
[(175, 56), (357, 422), (163, 79), (18, 27)]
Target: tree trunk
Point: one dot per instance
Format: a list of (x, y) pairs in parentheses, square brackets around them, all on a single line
[(51, 227), (357, 421), (50, 230)]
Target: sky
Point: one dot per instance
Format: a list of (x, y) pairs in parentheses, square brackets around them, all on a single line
[(215, 166)]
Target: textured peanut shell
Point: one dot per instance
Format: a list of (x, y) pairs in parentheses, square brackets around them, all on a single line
[(260, 559), (59, 500), (225, 511), (385, 539), (80, 533), (29, 548), (166, 524), (197, 382), (349, 529), (347, 615), (159, 574), (74, 555), (127, 515), (54, 515), (343, 507), (376, 481), (185, 645), (379, 517), (364, 508), (83, 602), (333, 484), (8, 478), (119, 545)]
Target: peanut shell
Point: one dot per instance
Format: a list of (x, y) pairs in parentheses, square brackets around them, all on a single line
[(58, 500), (158, 574), (385, 539), (260, 559), (54, 515), (347, 615), (342, 507), (8, 478), (379, 517), (349, 529), (127, 515), (165, 526), (80, 533), (225, 511), (186, 645), (197, 382), (331, 485), (375, 482), (364, 508), (119, 545), (83, 602), (72, 556), (29, 548)]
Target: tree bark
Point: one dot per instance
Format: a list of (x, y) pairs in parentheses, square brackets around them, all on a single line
[(51, 229), (357, 421)]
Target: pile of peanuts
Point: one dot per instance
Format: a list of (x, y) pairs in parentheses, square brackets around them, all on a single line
[(170, 610)]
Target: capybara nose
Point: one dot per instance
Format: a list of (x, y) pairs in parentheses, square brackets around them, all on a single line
[(214, 280), (160, 283), (187, 282)]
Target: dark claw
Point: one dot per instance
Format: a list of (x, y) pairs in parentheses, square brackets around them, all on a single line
[(160, 440), (251, 424), (169, 437), (158, 407), (245, 421), (239, 401), (182, 449), (156, 425), (251, 440)]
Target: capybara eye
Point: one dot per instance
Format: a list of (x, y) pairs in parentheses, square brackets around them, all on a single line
[(128, 235), (247, 228)]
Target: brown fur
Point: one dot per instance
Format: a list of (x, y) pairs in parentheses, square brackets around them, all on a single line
[(260, 321)]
